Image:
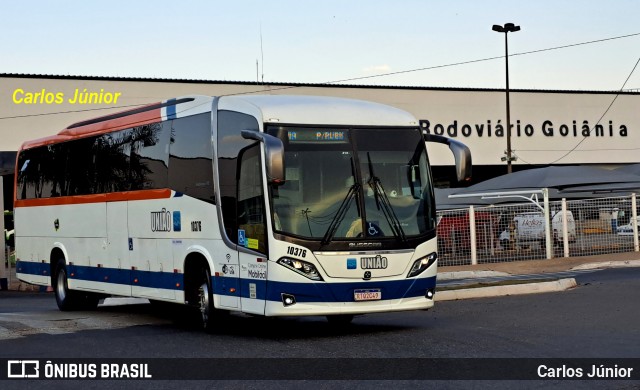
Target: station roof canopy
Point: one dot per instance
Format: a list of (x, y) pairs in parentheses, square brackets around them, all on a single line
[(571, 182)]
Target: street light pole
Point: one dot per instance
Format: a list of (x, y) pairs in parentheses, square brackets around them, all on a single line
[(506, 29)]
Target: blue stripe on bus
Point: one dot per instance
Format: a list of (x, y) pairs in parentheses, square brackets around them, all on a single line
[(163, 280), (331, 292), (343, 292), (95, 274), (171, 109), (231, 286), (31, 268), (151, 279)]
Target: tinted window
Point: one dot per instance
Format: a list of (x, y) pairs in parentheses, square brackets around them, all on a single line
[(82, 178), (149, 156), (130, 159), (111, 161), (230, 143), (175, 154), (251, 215), (41, 172), (190, 159)]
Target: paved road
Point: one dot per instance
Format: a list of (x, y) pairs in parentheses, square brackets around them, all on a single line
[(25, 314), (599, 319)]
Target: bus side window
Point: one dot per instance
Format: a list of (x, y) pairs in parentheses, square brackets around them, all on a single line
[(251, 216), (190, 157), (27, 164), (149, 156), (81, 174), (230, 147)]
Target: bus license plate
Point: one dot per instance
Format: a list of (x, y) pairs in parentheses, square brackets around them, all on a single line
[(370, 294)]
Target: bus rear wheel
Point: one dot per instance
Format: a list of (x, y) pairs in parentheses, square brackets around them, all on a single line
[(69, 300)]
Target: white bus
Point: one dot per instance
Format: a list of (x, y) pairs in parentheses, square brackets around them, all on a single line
[(271, 205)]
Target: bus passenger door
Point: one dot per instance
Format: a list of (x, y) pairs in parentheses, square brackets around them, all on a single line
[(252, 230)]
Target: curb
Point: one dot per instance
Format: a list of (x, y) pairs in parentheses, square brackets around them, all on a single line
[(609, 264), (500, 291), (470, 274)]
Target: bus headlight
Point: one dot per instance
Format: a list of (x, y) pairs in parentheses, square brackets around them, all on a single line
[(302, 267), (422, 264)]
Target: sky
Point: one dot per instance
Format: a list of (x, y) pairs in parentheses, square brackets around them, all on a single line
[(328, 41)]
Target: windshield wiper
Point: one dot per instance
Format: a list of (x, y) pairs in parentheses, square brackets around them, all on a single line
[(344, 207), (383, 203), (340, 213)]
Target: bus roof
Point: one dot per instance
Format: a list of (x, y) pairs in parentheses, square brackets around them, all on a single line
[(298, 109), (290, 109)]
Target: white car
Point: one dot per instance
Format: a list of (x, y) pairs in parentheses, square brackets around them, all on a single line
[(627, 230), (530, 227)]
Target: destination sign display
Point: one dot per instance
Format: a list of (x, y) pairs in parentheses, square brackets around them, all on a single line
[(317, 136)]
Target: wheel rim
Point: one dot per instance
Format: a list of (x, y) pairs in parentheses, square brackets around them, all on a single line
[(61, 285), (203, 299)]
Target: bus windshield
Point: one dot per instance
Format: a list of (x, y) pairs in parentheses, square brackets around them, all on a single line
[(360, 183)]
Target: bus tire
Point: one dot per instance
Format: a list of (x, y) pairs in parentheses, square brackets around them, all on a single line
[(69, 300), (205, 301), (65, 298)]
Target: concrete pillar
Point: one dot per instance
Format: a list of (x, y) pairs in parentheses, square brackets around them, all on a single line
[(565, 228), (634, 222), (472, 235), (547, 224)]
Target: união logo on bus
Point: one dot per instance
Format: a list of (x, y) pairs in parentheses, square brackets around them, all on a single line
[(161, 221)]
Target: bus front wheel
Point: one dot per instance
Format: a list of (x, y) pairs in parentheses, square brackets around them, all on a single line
[(205, 301)]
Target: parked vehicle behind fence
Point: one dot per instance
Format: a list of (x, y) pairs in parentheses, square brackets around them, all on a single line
[(530, 227), (627, 230), (454, 231)]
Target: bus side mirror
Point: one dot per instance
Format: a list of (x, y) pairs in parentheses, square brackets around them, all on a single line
[(274, 155), (460, 151)]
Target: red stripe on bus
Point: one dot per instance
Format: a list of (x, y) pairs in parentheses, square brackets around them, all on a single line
[(98, 198), (98, 128), (52, 139)]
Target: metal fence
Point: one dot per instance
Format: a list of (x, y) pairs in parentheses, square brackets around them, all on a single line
[(533, 231)]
